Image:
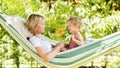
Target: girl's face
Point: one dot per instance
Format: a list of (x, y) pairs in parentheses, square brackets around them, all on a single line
[(72, 27), (40, 28)]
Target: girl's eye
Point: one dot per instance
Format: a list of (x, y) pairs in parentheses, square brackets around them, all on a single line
[(69, 25), (43, 24)]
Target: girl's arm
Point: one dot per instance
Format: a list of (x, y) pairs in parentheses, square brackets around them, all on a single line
[(77, 38)]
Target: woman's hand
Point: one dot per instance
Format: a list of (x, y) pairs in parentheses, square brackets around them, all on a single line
[(63, 49), (60, 44)]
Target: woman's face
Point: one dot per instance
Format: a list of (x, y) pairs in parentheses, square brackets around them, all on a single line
[(40, 28)]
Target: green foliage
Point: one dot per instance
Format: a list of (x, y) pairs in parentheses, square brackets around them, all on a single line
[(100, 18), (100, 27), (58, 13)]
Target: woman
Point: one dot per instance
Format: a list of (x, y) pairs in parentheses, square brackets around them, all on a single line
[(36, 25)]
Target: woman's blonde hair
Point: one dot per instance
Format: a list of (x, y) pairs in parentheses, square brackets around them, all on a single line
[(32, 21)]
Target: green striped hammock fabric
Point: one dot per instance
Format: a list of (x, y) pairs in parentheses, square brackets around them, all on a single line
[(72, 58)]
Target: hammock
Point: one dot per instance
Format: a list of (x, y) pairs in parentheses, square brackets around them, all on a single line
[(72, 58)]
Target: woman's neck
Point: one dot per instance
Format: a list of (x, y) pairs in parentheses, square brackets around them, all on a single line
[(37, 35)]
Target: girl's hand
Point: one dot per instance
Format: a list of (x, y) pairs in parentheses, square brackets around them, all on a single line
[(77, 39), (73, 38)]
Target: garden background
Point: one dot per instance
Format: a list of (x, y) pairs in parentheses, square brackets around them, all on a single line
[(101, 18)]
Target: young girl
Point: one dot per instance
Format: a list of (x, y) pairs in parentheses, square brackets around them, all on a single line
[(36, 25), (74, 25)]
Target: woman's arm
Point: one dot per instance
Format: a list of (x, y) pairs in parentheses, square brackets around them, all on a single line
[(50, 55)]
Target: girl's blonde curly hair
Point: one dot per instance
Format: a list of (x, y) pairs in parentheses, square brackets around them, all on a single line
[(76, 21)]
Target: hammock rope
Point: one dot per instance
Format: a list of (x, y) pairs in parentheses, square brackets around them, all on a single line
[(71, 58)]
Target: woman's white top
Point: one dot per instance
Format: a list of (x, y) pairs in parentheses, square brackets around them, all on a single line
[(39, 41)]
